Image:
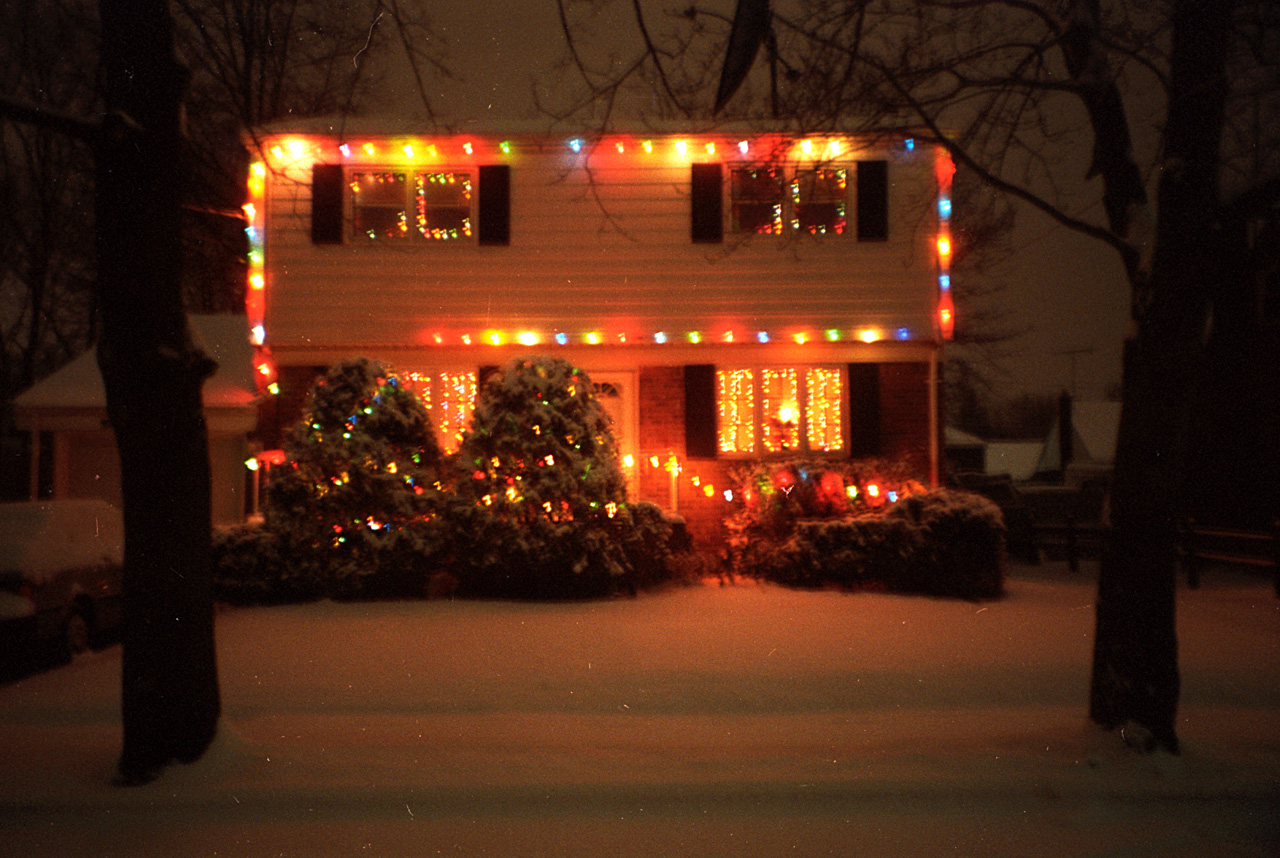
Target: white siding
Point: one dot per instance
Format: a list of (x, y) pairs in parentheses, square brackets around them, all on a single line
[(600, 243)]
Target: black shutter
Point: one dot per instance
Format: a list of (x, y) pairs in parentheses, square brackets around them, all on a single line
[(326, 204), (707, 222), (864, 410), (873, 200), (495, 204), (700, 411)]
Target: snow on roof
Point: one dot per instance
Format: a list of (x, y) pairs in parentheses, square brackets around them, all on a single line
[(959, 438), (224, 337), (1018, 459), (41, 538)]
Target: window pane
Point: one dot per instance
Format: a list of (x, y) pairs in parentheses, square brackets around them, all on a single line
[(757, 201), (450, 397), (455, 400), (378, 205), (824, 408), (818, 201), (735, 404), (780, 409), (444, 205)]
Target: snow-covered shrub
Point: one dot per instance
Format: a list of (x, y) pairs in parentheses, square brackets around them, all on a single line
[(961, 549), (354, 504), (249, 568), (539, 508), (863, 524)]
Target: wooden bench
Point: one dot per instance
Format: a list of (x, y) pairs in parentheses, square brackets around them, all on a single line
[(1200, 545)]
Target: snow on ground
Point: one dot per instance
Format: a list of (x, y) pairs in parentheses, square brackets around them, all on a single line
[(739, 721)]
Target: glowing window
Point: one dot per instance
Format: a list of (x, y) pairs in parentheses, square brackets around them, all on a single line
[(378, 205), (450, 398), (780, 410), (443, 205), (818, 201), (757, 200), (736, 407)]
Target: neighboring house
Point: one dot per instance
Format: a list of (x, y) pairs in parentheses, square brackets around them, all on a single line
[(733, 297), (1090, 451), (68, 410)]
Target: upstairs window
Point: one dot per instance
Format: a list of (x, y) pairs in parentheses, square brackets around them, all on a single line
[(379, 205), (780, 410), (403, 205), (443, 203), (756, 204), (818, 201)]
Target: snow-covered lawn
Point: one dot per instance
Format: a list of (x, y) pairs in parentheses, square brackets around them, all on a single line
[(708, 721)]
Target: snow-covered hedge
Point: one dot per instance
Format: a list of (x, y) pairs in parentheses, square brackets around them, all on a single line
[(865, 524)]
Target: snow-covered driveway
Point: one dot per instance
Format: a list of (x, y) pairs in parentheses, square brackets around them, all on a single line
[(706, 721)]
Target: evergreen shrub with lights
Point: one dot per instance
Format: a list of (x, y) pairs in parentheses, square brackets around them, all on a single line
[(863, 524), (539, 506), (355, 506)]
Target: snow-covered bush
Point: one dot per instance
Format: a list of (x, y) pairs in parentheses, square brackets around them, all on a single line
[(354, 504), (961, 549), (539, 505), (250, 569), (863, 524)]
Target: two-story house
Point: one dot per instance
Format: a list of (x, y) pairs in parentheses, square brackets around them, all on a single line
[(732, 297)]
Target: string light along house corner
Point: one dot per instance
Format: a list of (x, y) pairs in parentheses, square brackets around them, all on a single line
[(731, 297)]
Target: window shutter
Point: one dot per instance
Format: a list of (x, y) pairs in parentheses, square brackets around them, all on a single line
[(873, 200), (707, 221), (700, 411), (326, 204), (864, 410), (495, 204)]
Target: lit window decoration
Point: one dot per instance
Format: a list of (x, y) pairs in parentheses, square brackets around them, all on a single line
[(378, 205), (735, 402), (824, 409), (443, 202), (818, 201), (779, 395), (451, 406), (756, 201)]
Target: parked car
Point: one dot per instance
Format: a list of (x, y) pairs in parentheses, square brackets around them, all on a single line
[(60, 576)]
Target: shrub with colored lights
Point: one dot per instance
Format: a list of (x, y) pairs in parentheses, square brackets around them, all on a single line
[(354, 505), (863, 524), (539, 508)]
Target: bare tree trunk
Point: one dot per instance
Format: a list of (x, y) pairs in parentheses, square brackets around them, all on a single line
[(1135, 664), (153, 376)]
